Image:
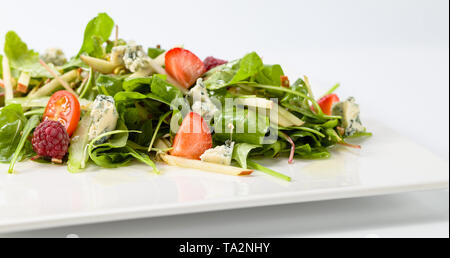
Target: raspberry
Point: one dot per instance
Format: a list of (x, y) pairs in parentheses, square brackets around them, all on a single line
[(211, 62), (50, 139)]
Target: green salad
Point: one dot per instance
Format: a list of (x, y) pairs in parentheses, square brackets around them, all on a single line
[(116, 102)]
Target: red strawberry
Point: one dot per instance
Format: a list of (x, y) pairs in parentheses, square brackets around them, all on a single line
[(326, 103), (184, 66)]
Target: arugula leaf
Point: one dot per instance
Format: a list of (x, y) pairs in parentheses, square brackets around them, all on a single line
[(97, 31), (23, 59), (12, 122), (241, 151), (29, 126)]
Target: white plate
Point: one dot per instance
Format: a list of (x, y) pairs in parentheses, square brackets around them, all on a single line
[(41, 196)]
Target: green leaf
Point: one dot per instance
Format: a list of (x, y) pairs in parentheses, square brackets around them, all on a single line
[(270, 75), (249, 66), (139, 84), (29, 126), (142, 157), (97, 31), (1, 67), (161, 88), (12, 122), (23, 59), (154, 52), (248, 126), (127, 96), (241, 151), (78, 151), (234, 72), (219, 76), (73, 63), (109, 84), (161, 120)]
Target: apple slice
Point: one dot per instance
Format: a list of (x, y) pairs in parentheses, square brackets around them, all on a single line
[(99, 65), (24, 81), (207, 166)]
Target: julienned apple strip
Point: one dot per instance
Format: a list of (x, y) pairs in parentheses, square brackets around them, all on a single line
[(206, 166)]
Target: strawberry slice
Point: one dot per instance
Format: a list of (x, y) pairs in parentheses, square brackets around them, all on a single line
[(184, 66), (326, 103), (193, 138)]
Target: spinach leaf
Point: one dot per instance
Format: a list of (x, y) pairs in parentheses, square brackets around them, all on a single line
[(248, 126), (12, 122), (23, 59), (306, 137), (241, 151), (29, 126), (234, 72), (306, 152), (270, 75), (273, 150), (142, 157), (109, 84), (139, 84), (154, 52), (249, 66), (112, 153), (97, 31), (161, 88), (127, 96), (116, 153), (73, 63), (219, 76)]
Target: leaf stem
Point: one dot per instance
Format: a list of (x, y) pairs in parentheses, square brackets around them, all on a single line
[(268, 171), (161, 119)]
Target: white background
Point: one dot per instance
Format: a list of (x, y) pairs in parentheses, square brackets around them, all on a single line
[(393, 55)]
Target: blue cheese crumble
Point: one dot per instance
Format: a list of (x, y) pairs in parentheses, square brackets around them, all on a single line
[(132, 56), (221, 154), (104, 117), (349, 111), (201, 103), (54, 56)]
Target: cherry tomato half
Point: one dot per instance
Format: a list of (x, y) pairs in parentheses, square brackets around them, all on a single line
[(64, 107)]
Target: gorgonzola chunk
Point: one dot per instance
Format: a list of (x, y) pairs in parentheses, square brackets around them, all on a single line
[(104, 117), (349, 111), (54, 56), (201, 103), (221, 154)]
